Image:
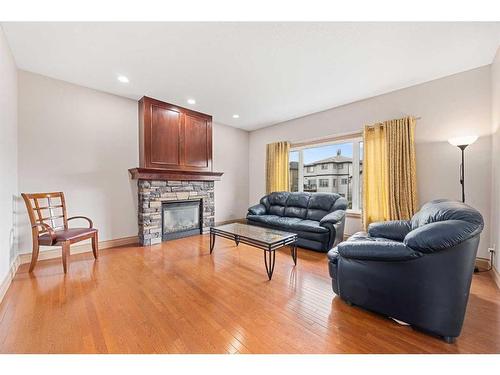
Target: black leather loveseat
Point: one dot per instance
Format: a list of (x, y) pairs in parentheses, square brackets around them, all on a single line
[(317, 218), (417, 271)]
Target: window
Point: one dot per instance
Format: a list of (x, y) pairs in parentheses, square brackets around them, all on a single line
[(345, 158), (323, 182), (310, 186)]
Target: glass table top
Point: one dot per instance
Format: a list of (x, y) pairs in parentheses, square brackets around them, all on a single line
[(266, 235)]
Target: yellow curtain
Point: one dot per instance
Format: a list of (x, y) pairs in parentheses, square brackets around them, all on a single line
[(389, 171), (277, 168), (375, 176)]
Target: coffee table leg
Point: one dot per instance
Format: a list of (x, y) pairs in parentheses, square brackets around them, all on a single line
[(237, 240), (293, 251), (212, 242), (269, 261)]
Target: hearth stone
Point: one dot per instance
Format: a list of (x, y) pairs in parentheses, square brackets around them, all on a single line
[(151, 195)]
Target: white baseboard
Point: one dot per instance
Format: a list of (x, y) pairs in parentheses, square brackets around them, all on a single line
[(496, 276), (482, 263), (78, 249), (4, 286)]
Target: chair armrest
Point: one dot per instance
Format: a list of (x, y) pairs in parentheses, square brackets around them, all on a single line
[(332, 218), (258, 209), (91, 224), (441, 235), (49, 229), (384, 251), (393, 230)]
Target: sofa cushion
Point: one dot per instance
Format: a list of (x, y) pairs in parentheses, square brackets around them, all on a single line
[(296, 212), (277, 210), (274, 220), (277, 203), (308, 226), (320, 204), (323, 201), (278, 198), (317, 215), (292, 224), (298, 200), (262, 218), (296, 205)]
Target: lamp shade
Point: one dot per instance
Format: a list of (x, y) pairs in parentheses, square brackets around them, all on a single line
[(463, 141)]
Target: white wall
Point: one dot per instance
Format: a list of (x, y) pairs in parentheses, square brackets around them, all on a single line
[(495, 121), (82, 141), (8, 156), (231, 157), (448, 107)]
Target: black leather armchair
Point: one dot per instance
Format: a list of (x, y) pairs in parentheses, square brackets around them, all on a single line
[(417, 271), (317, 218)]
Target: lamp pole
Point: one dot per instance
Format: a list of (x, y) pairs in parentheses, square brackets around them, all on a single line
[(462, 172), (462, 143)]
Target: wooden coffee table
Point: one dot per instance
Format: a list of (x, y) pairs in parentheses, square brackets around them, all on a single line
[(266, 239)]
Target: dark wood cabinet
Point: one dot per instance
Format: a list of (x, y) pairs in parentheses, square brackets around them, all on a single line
[(174, 138)]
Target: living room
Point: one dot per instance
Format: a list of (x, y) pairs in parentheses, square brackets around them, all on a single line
[(235, 200)]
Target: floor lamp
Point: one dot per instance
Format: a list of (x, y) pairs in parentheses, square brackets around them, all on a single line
[(462, 143)]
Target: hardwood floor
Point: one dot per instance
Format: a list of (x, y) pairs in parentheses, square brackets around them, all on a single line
[(176, 298)]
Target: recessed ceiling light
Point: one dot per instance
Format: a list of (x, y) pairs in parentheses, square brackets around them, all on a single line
[(236, 116), (123, 79), (191, 101)]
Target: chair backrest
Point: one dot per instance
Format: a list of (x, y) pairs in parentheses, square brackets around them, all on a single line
[(46, 208), (439, 210), (442, 224)]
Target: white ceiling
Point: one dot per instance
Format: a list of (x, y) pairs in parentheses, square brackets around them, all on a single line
[(265, 72)]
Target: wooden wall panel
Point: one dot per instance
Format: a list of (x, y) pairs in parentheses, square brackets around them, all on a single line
[(196, 142), (165, 134)]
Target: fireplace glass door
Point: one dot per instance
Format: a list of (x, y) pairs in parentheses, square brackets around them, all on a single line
[(181, 219)]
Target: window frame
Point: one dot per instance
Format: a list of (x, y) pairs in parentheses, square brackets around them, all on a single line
[(356, 182), (323, 182)]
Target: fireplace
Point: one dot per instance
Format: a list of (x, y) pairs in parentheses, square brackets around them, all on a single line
[(158, 197), (182, 218), (175, 177)]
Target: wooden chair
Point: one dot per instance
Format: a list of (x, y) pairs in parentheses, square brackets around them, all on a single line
[(49, 226)]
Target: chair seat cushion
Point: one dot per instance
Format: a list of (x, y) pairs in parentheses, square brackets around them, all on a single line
[(309, 226), (289, 223), (66, 235)]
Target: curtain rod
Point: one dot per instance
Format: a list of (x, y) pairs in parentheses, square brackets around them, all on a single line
[(335, 138), (372, 126)]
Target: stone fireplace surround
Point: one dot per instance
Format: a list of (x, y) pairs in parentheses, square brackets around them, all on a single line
[(152, 193)]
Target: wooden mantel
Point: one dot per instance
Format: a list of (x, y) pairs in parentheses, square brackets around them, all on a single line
[(173, 175)]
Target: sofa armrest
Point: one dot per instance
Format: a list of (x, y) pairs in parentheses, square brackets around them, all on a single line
[(384, 251), (332, 218), (258, 209), (393, 230), (440, 235)]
